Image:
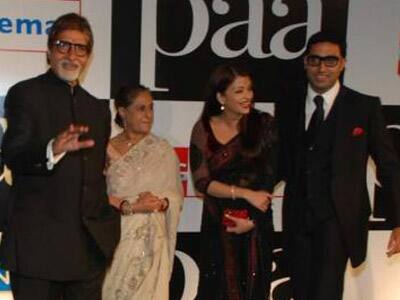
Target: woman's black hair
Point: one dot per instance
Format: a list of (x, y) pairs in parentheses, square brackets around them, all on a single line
[(125, 97), (250, 126)]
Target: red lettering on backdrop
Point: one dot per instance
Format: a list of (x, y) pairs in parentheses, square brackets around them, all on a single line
[(183, 156)]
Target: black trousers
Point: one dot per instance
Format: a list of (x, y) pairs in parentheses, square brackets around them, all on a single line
[(26, 288), (317, 260)]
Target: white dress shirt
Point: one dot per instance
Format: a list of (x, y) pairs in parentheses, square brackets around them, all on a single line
[(51, 159), (329, 98)]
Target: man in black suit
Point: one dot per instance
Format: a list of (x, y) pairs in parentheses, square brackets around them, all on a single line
[(328, 131), (62, 231)]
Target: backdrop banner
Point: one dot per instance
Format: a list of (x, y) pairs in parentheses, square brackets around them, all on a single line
[(172, 46)]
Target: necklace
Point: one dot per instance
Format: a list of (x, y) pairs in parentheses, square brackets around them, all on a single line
[(130, 141), (127, 140)]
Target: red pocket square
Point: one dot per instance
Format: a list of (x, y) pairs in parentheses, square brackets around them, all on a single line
[(357, 131)]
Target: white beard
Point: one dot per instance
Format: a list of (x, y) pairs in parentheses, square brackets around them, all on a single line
[(66, 74)]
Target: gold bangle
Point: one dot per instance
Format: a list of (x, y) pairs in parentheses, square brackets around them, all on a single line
[(166, 201), (233, 193)]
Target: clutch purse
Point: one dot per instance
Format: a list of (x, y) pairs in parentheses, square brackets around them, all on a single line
[(237, 213)]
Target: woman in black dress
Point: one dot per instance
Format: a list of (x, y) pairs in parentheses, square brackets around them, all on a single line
[(233, 163)]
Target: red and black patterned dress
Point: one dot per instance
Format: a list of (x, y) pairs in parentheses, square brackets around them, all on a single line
[(234, 267)]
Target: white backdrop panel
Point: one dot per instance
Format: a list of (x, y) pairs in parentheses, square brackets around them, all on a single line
[(373, 36)]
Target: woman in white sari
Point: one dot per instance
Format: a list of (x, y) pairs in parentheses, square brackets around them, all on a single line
[(144, 183)]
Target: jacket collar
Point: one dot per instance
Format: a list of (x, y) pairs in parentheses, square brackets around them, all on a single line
[(52, 77)]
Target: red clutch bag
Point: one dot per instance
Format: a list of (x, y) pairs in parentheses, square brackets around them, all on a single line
[(237, 213)]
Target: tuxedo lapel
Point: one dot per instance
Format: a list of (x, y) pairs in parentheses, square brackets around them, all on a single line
[(300, 134), (301, 116)]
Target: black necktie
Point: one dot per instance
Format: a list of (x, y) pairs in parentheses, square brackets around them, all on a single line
[(316, 120)]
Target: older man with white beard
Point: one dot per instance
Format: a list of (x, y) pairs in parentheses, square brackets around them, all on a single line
[(62, 231)]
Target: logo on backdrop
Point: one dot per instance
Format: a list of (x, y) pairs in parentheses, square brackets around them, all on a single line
[(183, 156), (24, 24), (174, 56)]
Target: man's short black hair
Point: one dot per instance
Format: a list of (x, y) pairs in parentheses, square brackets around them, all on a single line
[(327, 37)]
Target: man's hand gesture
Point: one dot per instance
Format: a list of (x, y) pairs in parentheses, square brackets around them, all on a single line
[(68, 140)]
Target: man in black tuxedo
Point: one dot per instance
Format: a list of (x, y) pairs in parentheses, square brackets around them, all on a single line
[(328, 131), (62, 231)]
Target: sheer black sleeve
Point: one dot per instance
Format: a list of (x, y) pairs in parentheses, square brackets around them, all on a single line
[(198, 154)]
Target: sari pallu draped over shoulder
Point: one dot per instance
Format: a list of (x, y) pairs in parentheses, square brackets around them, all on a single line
[(234, 267)]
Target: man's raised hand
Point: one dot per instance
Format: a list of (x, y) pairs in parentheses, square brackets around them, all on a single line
[(68, 140)]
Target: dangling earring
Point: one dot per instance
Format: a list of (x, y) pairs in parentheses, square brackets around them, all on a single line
[(222, 107), (124, 123)]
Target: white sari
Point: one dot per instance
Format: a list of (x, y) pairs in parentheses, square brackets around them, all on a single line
[(142, 264)]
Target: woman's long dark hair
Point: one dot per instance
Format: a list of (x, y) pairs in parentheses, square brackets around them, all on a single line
[(250, 126), (125, 97)]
